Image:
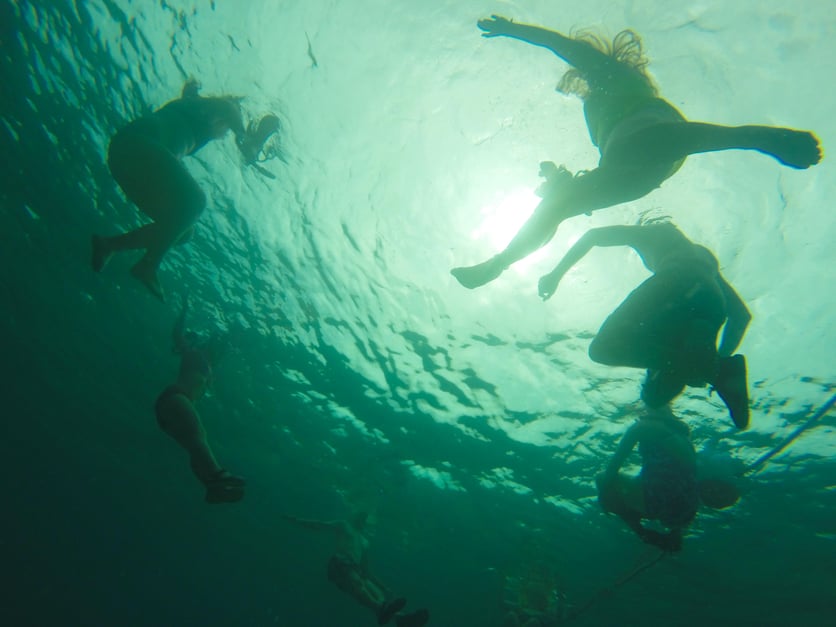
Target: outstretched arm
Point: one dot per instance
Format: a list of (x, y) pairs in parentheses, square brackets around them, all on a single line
[(604, 236), (578, 54), (737, 321)]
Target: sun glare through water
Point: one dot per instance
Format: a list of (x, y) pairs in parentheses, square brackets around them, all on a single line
[(501, 220)]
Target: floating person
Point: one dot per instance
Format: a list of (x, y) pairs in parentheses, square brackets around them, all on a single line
[(669, 324), (348, 569), (178, 417), (146, 159), (642, 138), (666, 490)]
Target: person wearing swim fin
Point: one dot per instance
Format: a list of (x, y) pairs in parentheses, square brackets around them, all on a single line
[(642, 138), (146, 159), (669, 324), (348, 569), (177, 416), (666, 490)]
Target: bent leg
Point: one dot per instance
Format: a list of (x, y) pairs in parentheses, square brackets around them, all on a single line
[(162, 188), (631, 492), (347, 576), (670, 323), (177, 417), (631, 335), (175, 228)]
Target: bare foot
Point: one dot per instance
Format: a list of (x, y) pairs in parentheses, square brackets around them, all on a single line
[(474, 276), (796, 149)]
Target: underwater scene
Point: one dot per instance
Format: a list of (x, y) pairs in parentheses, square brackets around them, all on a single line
[(453, 313)]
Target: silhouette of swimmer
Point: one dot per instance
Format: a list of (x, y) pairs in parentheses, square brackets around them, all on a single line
[(669, 324), (667, 489), (145, 157), (642, 138), (348, 569), (177, 416)]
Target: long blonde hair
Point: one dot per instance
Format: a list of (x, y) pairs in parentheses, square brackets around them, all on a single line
[(625, 48)]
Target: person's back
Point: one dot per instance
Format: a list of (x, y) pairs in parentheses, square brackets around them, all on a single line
[(183, 126), (616, 88), (669, 471)]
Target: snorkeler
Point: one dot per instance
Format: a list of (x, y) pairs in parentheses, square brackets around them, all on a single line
[(666, 490), (348, 569), (669, 324), (145, 157), (178, 417), (642, 138)]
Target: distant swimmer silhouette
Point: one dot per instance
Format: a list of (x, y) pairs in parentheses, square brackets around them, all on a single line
[(667, 489), (669, 324), (145, 157), (177, 416), (642, 138), (348, 569)]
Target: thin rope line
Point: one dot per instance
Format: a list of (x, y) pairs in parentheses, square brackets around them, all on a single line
[(758, 463)]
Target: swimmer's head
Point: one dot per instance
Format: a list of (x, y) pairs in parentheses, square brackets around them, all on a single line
[(626, 48), (191, 89)]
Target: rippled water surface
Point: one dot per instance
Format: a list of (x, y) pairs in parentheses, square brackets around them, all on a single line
[(471, 423)]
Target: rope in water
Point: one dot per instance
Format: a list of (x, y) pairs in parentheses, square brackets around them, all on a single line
[(758, 463), (754, 467), (606, 592)]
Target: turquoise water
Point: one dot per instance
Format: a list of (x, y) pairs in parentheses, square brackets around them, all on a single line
[(472, 423)]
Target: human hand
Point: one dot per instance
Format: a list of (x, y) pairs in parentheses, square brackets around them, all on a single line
[(548, 285), (495, 26)]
